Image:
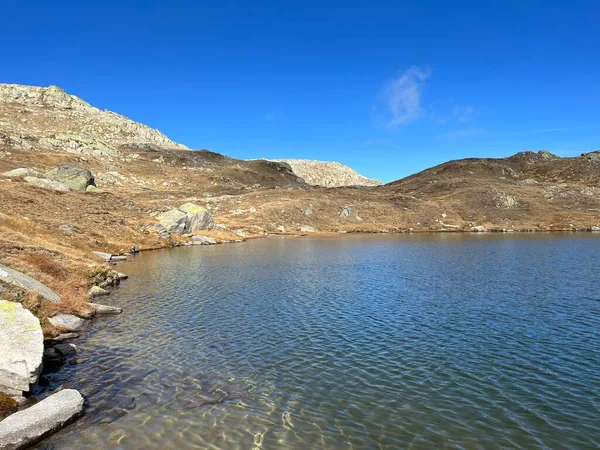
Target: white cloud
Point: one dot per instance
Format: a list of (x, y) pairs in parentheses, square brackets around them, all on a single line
[(401, 97)]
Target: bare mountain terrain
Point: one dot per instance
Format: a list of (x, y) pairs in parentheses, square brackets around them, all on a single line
[(140, 174), (327, 173)]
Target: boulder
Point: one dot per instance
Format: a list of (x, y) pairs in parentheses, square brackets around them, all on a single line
[(68, 322), (66, 349), (96, 291), (185, 219), (479, 229), (24, 428), (21, 348), (174, 221), (20, 280), (595, 228), (105, 309), (307, 229), (345, 212), (47, 184), (22, 172), (199, 218), (76, 178), (204, 240)]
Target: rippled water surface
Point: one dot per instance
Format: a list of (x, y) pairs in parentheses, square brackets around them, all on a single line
[(433, 341)]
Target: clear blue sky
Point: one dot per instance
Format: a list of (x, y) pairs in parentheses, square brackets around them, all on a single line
[(388, 87)]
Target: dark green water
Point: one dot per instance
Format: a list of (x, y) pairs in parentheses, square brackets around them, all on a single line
[(424, 341)]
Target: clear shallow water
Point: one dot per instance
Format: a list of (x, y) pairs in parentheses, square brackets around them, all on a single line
[(426, 341)]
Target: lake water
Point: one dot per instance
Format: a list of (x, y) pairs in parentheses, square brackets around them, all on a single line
[(362, 342)]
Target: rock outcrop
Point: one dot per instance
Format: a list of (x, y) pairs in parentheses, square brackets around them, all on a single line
[(66, 122), (27, 427), (327, 173), (188, 218), (21, 348), (22, 281), (76, 178)]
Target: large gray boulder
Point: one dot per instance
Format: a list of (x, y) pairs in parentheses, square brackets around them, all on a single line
[(199, 218), (20, 280), (187, 218), (76, 178), (25, 428), (174, 221), (21, 348)]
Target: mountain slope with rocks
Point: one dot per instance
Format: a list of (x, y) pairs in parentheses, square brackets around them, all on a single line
[(49, 119), (327, 173)]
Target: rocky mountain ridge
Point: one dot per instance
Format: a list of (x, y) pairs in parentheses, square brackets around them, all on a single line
[(327, 173), (47, 118)]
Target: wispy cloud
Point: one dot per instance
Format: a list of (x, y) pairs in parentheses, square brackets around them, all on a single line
[(401, 98)]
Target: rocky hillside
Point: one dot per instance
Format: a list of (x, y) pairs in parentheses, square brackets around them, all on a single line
[(41, 118), (327, 173)]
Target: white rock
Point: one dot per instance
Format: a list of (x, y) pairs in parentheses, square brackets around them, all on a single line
[(96, 291), (25, 428), (105, 309), (307, 229), (18, 279), (68, 322), (479, 229), (21, 348)]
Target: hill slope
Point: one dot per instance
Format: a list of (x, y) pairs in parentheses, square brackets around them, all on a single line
[(327, 173)]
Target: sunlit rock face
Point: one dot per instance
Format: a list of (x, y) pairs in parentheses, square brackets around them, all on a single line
[(33, 117)]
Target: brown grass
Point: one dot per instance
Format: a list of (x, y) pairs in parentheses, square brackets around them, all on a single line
[(47, 265)]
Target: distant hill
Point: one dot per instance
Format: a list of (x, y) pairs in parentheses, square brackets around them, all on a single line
[(327, 173)]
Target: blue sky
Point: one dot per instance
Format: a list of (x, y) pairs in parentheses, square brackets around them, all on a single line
[(389, 88)]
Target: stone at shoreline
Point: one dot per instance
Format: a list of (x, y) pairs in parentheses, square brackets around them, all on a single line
[(204, 240), (281, 229), (122, 276), (108, 257), (47, 184), (479, 229), (307, 229), (595, 229), (76, 178), (105, 309), (21, 348), (20, 280), (63, 337), (22, 172), (68, 322), (96, 291), (25, 428), (66, 349)]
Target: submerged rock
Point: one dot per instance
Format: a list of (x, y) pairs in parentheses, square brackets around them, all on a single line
[(21, 348), (20, 280), (24, 428)]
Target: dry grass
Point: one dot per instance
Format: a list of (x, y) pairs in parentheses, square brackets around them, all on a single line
[(47, 265)]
